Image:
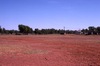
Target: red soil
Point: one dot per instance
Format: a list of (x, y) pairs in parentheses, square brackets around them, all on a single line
[(49, 50)]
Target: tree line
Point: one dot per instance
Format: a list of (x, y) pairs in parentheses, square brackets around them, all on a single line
[(4, 31), (25, 30), (91, 30)]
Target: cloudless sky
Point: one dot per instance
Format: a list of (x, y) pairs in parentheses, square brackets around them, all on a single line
[(73, 14)]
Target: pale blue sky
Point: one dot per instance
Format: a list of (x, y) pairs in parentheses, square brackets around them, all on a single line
[(73, 14)]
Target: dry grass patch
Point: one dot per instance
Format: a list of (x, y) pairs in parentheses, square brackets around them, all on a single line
[(15, 49)]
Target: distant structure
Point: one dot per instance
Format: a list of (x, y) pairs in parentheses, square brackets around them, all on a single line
[(63, 32), (78, 32)]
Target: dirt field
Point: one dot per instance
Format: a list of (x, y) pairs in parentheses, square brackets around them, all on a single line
[(49, 50)]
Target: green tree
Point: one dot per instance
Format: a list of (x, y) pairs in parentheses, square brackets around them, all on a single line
[(36, 31), (98, 30), (25, 29), (91, 30), (0, 29)]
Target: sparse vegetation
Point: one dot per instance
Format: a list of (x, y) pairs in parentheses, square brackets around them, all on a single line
[(23, 29)]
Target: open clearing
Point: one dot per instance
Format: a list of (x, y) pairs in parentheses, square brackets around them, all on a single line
[(49, 50)]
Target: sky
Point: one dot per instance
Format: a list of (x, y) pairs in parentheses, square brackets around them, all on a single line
[(71, 14)]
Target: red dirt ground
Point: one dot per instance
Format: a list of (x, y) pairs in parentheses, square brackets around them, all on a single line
[(49, 50)]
